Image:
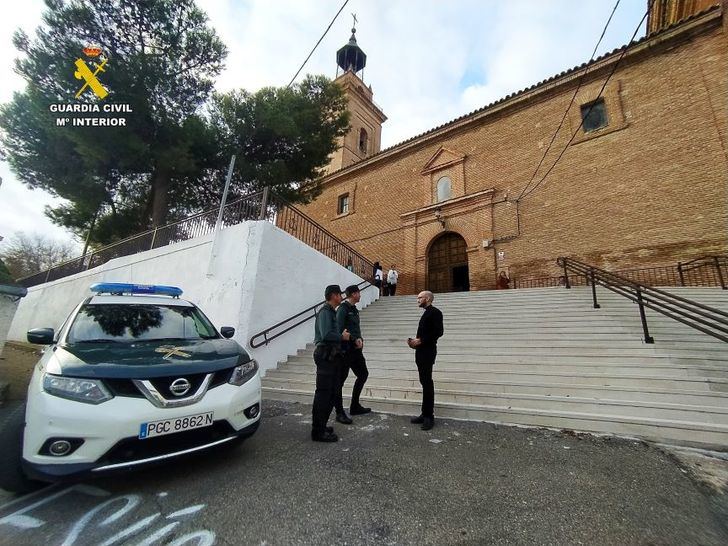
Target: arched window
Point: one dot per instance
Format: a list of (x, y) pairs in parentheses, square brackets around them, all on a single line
[(363, 141), (444, 189)]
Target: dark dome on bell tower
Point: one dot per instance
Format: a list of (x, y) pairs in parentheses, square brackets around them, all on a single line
[(351, 57)]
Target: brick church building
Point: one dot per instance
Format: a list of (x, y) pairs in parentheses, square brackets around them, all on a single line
[(643, 182)]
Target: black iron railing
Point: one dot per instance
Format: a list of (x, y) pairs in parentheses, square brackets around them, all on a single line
[(705, 271), (704, 318), (269, 334), (261, 205), (235, 212), (291, 220)]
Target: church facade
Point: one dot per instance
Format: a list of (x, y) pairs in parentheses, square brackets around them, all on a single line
[(643, 180)]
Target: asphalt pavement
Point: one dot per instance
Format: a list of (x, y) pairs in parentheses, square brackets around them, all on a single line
[(385, 482)]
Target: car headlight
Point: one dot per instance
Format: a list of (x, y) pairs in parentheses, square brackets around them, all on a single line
[(90, 391), (243, 373)]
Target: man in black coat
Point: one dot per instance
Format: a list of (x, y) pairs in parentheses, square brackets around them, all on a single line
[(429, 331)]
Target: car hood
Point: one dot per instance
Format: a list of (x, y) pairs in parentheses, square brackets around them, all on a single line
[(147, 359)]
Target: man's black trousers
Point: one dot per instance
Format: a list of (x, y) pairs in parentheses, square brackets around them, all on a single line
[(392, 289), (425, 360), (327, 385), (354, 360)]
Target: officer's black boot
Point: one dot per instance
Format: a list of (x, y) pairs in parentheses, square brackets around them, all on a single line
[(343, 418), (324, 436), (418, 420)]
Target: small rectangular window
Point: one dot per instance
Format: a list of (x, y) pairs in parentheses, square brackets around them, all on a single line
[(594, 115), (343, 207)]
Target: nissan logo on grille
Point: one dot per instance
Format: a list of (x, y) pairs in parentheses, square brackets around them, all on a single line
[(180, 387)]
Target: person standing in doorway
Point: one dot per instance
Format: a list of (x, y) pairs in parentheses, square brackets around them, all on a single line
[(392, 277), (329, 360), (347, 319), (429, 331)]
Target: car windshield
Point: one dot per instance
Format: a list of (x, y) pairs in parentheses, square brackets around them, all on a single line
[(138, 322)]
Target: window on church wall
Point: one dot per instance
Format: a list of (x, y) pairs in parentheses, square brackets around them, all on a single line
[(444, 189), (343, 204), (363, 141), (594, 115)]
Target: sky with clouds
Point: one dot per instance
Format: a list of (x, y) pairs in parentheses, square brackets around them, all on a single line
[(428, 61)]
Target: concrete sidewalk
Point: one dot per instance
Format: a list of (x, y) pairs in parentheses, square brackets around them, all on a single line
[(387, 482)]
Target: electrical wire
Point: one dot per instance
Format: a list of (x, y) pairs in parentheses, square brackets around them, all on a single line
[(614, 69), (319, 41), (573, 98)]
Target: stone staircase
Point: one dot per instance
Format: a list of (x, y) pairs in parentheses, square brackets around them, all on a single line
[(544, 357)]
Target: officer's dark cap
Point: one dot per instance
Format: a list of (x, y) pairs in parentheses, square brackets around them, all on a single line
[(332, 289), (353, 289)]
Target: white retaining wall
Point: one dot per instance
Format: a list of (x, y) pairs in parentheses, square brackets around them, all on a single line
[(260, 276)]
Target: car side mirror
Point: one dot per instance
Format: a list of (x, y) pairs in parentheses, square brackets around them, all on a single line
[(227, 331), (41, 336)]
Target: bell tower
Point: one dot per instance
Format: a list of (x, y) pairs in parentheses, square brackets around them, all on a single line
[(365, 133), (664, 13)]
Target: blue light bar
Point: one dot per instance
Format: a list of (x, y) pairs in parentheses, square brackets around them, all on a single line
[(128, 288)]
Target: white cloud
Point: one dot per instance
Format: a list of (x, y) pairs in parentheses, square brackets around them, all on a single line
[(428, 61)]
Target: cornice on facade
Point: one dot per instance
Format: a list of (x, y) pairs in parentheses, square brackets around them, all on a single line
[(465, 199)]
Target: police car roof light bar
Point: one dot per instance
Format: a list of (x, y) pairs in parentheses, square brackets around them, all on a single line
[(120, 288)]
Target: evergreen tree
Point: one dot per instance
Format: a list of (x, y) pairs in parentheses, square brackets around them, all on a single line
[(162, 59), (170, 159)]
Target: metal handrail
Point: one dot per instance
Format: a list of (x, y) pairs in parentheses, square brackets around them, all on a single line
[(704, 258), (85, 261), (716, 261), (710, 274), (296, 223), (261, 205), (265, 333), (699, 316)]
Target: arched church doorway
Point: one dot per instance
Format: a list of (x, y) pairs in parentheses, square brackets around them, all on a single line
[(447, 264)]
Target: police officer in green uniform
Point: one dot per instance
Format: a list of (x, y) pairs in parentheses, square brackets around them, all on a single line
[(328, 357), (347, 319)]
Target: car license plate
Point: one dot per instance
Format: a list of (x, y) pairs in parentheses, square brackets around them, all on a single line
[(178, 424)]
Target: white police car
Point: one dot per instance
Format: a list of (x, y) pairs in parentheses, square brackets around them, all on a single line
[(134, 376)]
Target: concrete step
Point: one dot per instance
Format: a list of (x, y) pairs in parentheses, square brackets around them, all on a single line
[(569, 333), (543, 355), (606, 311), (694, 434), (664, 369), (644, 381), (659, 396), (625, 408)]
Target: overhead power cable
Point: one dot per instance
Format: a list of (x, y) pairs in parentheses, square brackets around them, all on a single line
[(573, 98), (591, 106), (319, 41)]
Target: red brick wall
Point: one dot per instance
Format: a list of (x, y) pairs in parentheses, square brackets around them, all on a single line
[(649, 189)]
